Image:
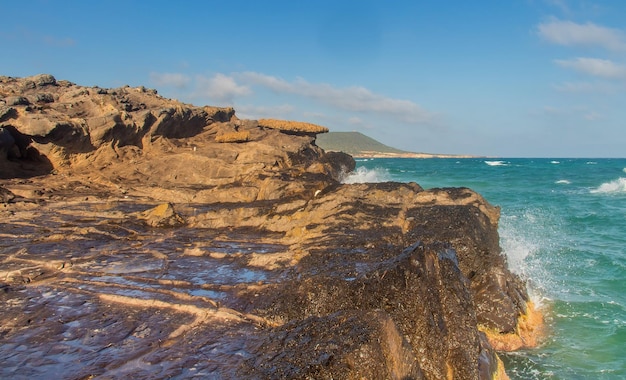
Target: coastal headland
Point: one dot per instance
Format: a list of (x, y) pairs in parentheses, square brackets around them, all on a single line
[(359, 145), (146, 238)]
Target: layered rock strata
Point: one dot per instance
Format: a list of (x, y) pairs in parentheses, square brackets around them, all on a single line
[(146, 238)]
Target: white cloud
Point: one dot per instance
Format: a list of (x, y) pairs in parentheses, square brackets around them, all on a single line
[(586, 87), (569, 33), (169, 79), (221, 88), (569, 113), (594, 66), (354, 98), (258, 112)]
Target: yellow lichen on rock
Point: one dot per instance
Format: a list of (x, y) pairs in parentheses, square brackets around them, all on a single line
[(529, 332), (162, 215), (292, 126), (500, 372), (233, 137)]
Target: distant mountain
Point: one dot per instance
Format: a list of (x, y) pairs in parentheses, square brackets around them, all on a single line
[(353, 143), (357, 144)]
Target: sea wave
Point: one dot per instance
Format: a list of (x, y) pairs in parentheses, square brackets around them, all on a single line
[(617, 186), (496, 163), (526, 236), (365, 175), (563, 181), (555, 162)]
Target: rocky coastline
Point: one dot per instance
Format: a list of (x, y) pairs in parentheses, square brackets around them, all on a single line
[(146, 238)]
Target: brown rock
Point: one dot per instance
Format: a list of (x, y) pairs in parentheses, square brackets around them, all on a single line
[(269, 267), (6, 196), (343, 345), (162, 215)]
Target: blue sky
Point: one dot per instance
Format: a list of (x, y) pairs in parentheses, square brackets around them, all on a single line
[(515, 78)]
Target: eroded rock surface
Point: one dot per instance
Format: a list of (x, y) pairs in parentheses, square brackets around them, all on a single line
[(134, 243)]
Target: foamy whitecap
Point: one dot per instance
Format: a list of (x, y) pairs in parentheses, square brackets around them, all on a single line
[(555, 162), (613, 187), (364, 175), (563, 182), (496, 163)]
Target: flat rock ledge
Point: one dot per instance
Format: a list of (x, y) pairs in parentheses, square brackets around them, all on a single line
[(146, 238)]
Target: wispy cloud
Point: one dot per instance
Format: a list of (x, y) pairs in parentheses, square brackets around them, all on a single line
[(586, 87), (569, 33), (594, 66), (29, 36), (223, 89), (354, 98), (169, 79), (570, 113), (593, 116), (281, 111), (355, 120), (220, 87)]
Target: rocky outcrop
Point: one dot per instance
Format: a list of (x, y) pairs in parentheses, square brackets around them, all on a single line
[(78, 129), (146, 238)]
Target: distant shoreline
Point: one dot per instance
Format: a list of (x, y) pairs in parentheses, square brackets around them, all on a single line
[(409, 155), (359, 145)]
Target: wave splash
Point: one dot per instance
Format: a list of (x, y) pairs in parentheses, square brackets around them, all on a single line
[(617, 186), (364, 175), (496, 163), (516, 245), (525, 237)]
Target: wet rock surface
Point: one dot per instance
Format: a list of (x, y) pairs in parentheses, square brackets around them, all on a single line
[(163, 253)]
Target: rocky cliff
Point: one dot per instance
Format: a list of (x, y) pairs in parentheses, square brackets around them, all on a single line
[(146, 238)]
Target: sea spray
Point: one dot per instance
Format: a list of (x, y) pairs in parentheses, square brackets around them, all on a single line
[(563, 230), (364, 175), (526, 239)]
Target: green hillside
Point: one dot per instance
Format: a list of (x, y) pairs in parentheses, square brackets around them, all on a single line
[(353, 143)]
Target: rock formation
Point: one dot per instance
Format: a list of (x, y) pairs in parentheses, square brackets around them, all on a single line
[(146, 238)]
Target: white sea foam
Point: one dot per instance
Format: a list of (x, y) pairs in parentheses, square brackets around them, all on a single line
[(516, 246), (364, 175), (563, 181), (496, 163), (624, 170), (523, 238), (555, 162), (617, 186)]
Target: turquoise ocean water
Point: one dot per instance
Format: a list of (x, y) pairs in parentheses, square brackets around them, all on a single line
[(563, 229)]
